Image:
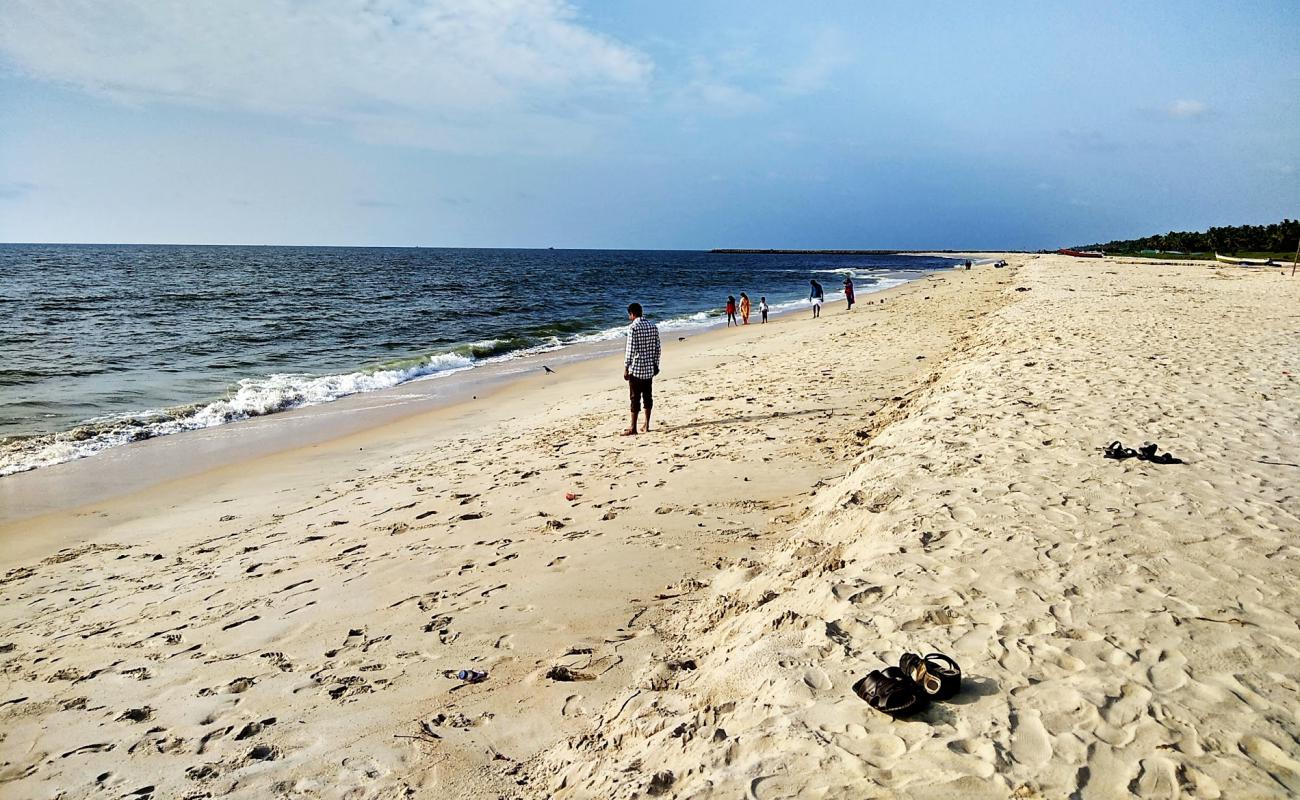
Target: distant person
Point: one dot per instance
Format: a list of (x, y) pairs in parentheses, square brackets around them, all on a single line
[(968, 263), (640, 365), (816, 296), (762, 307), (744, 308), (731, 311), (848, 290)]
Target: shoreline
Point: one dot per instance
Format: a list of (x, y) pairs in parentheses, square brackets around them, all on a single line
[(133, 467), (89, 412)]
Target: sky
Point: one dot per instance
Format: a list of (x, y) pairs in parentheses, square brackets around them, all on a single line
[(673, 124)]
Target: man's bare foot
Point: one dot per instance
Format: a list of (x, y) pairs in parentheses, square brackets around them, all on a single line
[(630, 432), (645, 428)]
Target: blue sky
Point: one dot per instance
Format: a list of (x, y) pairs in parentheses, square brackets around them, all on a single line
[(665, 124)]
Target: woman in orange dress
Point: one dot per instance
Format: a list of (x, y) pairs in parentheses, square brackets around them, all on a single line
[(744, 307)]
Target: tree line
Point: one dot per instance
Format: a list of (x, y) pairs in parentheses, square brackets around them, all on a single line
[(1280, 237)]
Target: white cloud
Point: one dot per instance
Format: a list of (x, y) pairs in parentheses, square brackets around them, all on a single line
[(465, 75), (1186, 109), (826, 56)]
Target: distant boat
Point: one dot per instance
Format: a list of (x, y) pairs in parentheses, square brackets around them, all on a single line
[(1244, 262), (1065, 251)]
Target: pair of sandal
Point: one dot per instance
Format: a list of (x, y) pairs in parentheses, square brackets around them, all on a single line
[(1147, 452), (909, 687)]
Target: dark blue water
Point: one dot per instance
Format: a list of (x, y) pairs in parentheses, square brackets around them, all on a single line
[(104, 344)]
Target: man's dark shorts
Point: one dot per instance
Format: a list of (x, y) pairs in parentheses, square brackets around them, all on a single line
[(640, 388)]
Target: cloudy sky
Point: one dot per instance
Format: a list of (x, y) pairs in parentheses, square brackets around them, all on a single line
[(669, 124)]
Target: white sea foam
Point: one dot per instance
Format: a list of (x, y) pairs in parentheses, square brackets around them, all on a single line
[(253, 397)]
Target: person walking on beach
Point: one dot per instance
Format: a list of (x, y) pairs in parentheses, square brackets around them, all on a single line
[(744, 307), (731, 311), (640, 365), (817, 296), (848, 290), (762, 307)]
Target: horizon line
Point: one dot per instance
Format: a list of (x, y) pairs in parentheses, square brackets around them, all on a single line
[(719, 250)]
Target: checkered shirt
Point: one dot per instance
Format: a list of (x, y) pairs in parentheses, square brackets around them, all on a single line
[(641, 359)]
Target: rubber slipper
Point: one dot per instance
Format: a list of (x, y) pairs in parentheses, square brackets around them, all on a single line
[(936, 674), (1118, 451), (890, 691), (1147, 452)]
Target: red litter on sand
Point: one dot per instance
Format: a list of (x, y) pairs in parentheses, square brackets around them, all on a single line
[(570, 496)]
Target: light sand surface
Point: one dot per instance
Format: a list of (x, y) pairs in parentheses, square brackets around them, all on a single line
[(818, 498), (273, 627), (1125, 628)]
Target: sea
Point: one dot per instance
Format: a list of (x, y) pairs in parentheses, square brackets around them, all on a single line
[(103, 345)]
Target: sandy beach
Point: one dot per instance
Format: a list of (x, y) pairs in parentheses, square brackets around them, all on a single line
[(922, 473)]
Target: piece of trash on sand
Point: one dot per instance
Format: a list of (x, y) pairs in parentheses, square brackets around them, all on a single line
[(466, 675), (563, 673)]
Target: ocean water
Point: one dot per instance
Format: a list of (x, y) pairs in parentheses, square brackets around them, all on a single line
[(101, 345)]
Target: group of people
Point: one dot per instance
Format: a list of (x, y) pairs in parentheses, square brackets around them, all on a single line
[(744, 308), (641, 355), (816, 296)]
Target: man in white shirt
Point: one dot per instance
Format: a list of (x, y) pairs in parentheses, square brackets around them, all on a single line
[(640, 365)]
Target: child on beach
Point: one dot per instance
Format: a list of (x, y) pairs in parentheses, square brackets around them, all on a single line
[(744, 307), (848, 290), (762, 307), (817, 296), (731, 311)]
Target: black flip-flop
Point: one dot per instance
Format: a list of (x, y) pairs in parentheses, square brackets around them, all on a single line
[(891, 692), (1118, 451), (937, 675), (1147, 452)]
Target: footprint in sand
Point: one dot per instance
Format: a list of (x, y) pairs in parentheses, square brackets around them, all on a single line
[(1269, 757), (438, 623), (279, 661), (262, 752), (774, 786), (1170, 673), (136, 715), (253, 728), (816, 678), (210, 735), (573, 706), (1030, 744), (962, 514), (1131, 704), (878, 749), (1157, 780), (1058, 517), (239, 685)]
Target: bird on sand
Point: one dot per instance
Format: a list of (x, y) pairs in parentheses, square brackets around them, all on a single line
[(548, 369)]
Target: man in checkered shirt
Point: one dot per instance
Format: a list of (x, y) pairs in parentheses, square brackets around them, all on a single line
[(640, 364)]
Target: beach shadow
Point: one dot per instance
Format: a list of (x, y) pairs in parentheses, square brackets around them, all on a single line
[(973, 687)]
